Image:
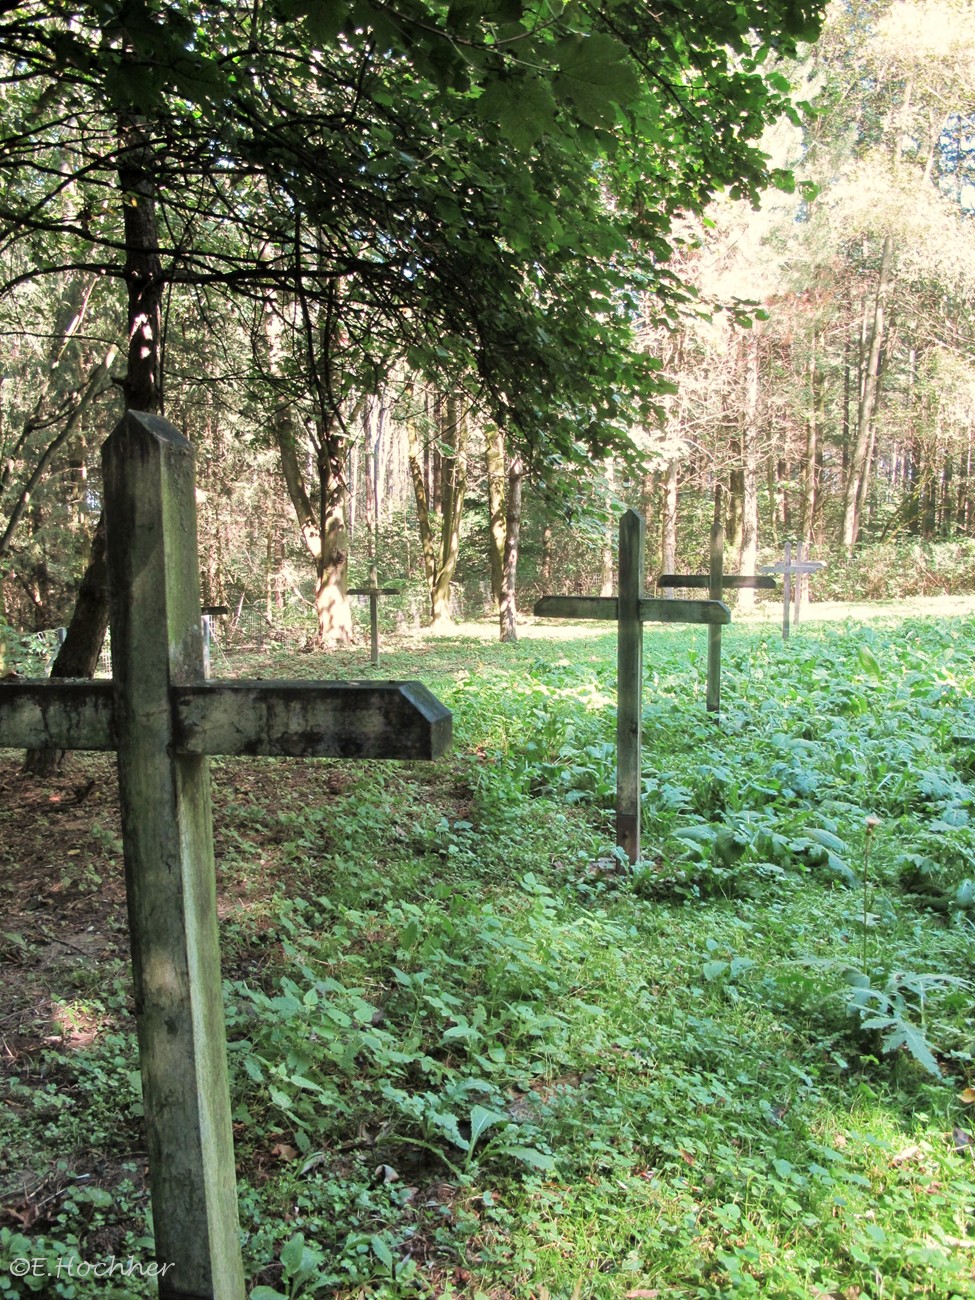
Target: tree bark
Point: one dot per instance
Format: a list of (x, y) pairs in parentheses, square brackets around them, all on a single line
[(807, 512), (668, 524), (856, 481), (142, 390), (440, 555), (748, 556), (512, 538), (494, 455)]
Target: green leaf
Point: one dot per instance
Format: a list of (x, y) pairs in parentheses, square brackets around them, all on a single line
[(481, 1120), (869, 663), (827, 839), (292, 1252), (381, 1251), (906, 1035), (532, 1156), (595, 75)]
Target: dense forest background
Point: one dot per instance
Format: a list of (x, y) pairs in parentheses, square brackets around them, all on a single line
[(814, 360)]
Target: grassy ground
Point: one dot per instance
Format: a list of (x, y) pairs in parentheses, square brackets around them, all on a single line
[(474, 1055)]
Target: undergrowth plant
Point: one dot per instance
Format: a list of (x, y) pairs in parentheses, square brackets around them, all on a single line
[(474, 1054)]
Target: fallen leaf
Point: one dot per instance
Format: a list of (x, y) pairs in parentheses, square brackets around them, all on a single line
[(906, 1156), (284, 1152)]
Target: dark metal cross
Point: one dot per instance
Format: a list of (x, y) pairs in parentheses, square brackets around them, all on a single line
[(163, 718)]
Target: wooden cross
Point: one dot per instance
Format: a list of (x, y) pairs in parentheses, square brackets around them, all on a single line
[(716, 582), (630, 610), (163, 718), (787, 568), (374, 591)]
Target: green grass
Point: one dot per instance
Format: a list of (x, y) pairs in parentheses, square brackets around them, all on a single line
[(474, 1055)]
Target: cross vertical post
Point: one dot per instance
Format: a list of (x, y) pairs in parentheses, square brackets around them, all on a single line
[(629, 668), (169, 865), (715, 577), (630, 609), (374, 591), (786, 591), (800, 578), (801, 568)]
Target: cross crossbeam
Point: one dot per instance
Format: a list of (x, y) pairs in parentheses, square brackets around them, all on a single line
[(398, 720), (163, 718), (630, 609)]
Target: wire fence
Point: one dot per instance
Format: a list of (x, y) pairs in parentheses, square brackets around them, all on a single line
[(245, 629)]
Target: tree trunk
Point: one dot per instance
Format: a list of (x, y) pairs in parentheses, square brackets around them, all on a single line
[(494, 455), (440, 555), (512, 537), (453, 481), (807, 512), (142, 390), (332, 606), (856, 482), (545, 572), (668, 524), (749, 472)]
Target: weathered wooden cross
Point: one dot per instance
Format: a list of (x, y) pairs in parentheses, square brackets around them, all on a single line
[(163, 718), (787, 568), (716, 581), (374, 591), (630, 610)]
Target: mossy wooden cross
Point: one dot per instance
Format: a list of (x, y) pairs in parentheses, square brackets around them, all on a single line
[(164, 719), (630, 609)]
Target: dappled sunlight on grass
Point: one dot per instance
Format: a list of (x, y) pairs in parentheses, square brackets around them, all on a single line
[(474, 1054)]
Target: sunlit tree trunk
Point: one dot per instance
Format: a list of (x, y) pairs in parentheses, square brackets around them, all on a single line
[(494, 456), (857, 473), (750, 437), (512, 537), (668, 522), (440, 553)]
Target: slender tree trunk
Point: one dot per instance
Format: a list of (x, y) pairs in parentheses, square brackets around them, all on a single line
[(494, 455), (545, 572), (807, 513), (749, 471), (512, 537), (668, 524), (440, 555), (142, 389), (869, 394)]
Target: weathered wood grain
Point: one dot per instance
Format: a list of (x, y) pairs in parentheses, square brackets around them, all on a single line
[(57, 714), (362, 720), (150, 512), (629, 685)]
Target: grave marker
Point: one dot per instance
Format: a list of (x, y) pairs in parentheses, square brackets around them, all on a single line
[(787, 568), (374, 591), (630, 610), (716, 582), (162, 717)]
